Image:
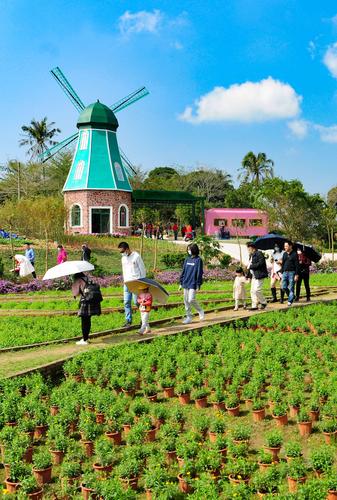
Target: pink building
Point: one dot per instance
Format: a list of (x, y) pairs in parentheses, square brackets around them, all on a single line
[(245, 222)]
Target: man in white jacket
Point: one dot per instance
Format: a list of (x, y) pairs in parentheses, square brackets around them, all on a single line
[(133, 269)]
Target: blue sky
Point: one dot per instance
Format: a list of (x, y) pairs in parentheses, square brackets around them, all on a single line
[(225, 77)]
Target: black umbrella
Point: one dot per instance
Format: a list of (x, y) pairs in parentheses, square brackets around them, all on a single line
[(268, 241), (309, 251)]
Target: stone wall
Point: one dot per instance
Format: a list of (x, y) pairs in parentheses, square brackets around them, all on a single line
[(88, 199)]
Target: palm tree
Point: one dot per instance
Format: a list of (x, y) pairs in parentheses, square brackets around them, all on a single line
[(39, 136), (256, 168)]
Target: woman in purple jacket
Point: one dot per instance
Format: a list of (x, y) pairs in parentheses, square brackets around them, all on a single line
[(190, 281)]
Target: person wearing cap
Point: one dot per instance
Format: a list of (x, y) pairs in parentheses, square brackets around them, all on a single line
[(257, 272), (30, 254)]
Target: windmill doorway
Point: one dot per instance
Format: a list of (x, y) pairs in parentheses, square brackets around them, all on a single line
[(101, 220)]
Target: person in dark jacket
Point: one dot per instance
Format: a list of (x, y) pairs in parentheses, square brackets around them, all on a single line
[(304, 273), (190, 281), (85, 310), (290, 272), (257, 272), (86, 252)]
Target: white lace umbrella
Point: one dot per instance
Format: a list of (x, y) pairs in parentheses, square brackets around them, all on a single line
[(67, 268)]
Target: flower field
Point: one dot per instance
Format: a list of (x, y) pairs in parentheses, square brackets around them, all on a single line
[(229, 413)]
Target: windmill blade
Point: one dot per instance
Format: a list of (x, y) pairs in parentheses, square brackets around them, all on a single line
[(46, 155), (129, 99), (67, 88), (130, 170)]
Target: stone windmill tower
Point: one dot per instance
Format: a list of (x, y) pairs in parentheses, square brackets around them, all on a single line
[(97, 192)]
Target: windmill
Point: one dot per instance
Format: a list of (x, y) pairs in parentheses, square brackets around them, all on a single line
[(97, 191)]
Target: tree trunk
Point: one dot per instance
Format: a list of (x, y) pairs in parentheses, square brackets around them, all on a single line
[(47, 250)]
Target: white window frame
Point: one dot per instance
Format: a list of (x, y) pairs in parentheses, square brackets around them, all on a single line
[(84, 140), (80, 165), (81, 216), (90, 217), (127, 216)]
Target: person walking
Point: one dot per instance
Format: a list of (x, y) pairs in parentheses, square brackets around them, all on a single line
[(133, 268), (304, 274), (191, 281), (30, 254), (276, 275), (86, 252), (257, 272), (86, 308), (62, 255), (239, 289), (290, 272), (175, 231), (144, 301)]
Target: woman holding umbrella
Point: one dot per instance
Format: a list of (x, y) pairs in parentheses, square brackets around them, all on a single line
[(304, 274)]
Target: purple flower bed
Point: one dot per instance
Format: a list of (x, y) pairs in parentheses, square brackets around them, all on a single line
[(171, 277)]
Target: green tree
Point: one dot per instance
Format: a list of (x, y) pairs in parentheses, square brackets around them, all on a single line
[(241, 197), (38, 135), (291, 210), (256, 168), (212, 184), (162, 178), (57, 171), (332, 197)]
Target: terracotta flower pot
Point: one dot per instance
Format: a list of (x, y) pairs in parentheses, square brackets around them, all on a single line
[(88, 493), (329, 437), (40, 431), (259, 415), (249, 403), (212, 436), (131, 482), (148, 494), (223, 454), (183, 485), (129, 392), (57, 456), (184, 399), (305, 428), (152, 398), (102, 469), (37, 495), (171, 457), (11, 487), (332, 495), (28, 455), (168, 392), (72, 427), (151, 435), (219, 406), (11, 424), (233, 480), (274, 451), (77, 378), (280, 420), (314, 415), (88, 447), (264, 467), (201, 403), (293, 411), (126, 429), (234, 412), (115, 437), (42, 476), (54, 409), (181, 461), (69, 481), (90, 380), (293, 483), (100, 418)]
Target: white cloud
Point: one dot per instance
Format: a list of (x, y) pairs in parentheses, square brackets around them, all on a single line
[(312, 49), (299, 128), (140, 22), (327, 134), (261, 101), (330, 59)]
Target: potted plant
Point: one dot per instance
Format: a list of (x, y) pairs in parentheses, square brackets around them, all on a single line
[(104, 456), (41, 422), (150, 391), (167, 385), (233, 405), (304, 422), (216, 427), (160, 413), (329, 429), (17, 472), (183, 390), (293, 450), (42, 466), (240, 470), (217, 399), (187, 447), (332, 486), (57, 447), (209, 460), (220, 444), (155, 478), (114, 432), (265, 460), (258, 409), (199, 394), (266, 482), (297, 473), (241, 433), (128, 471), (295, 400), (129, 385), (89, 430), (314, 408), (89, 486), (70, 472), (186, 477), (280, 414), (274, 440), (29, 488), (200, 424), (322, 459)]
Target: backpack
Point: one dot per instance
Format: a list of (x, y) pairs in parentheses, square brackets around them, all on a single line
[(91, 293)]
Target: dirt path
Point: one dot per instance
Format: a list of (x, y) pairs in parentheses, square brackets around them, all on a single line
[(12, 363)]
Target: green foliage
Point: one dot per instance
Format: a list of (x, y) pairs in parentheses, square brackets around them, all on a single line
[(225, 260), (322, 458), (42, 459), (297, 469), (209, 248), (173, 260), (274, 439)]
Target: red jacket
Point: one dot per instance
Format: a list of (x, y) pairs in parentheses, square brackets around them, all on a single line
[(144, 300)]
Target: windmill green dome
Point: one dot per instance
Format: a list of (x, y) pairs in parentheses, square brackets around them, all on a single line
[(97, 115)]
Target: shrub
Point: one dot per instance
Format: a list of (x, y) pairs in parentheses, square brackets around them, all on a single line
[(28, 485), (104, 452), (267, 481), (297, 469), (303, 415), (265, 457), (241, 432), (128, 468), (293, 449), (42, 460), (322, 458), (173, 260), (225, 260), (70, 469), (240, 468), (274, 439)]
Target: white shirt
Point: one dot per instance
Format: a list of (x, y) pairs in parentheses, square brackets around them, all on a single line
[(133, 267)]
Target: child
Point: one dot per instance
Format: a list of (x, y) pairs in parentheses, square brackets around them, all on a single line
[(144, 300), (239, 290)]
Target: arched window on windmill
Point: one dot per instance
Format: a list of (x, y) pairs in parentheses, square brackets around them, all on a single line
[(123, 216), (76, 216)]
